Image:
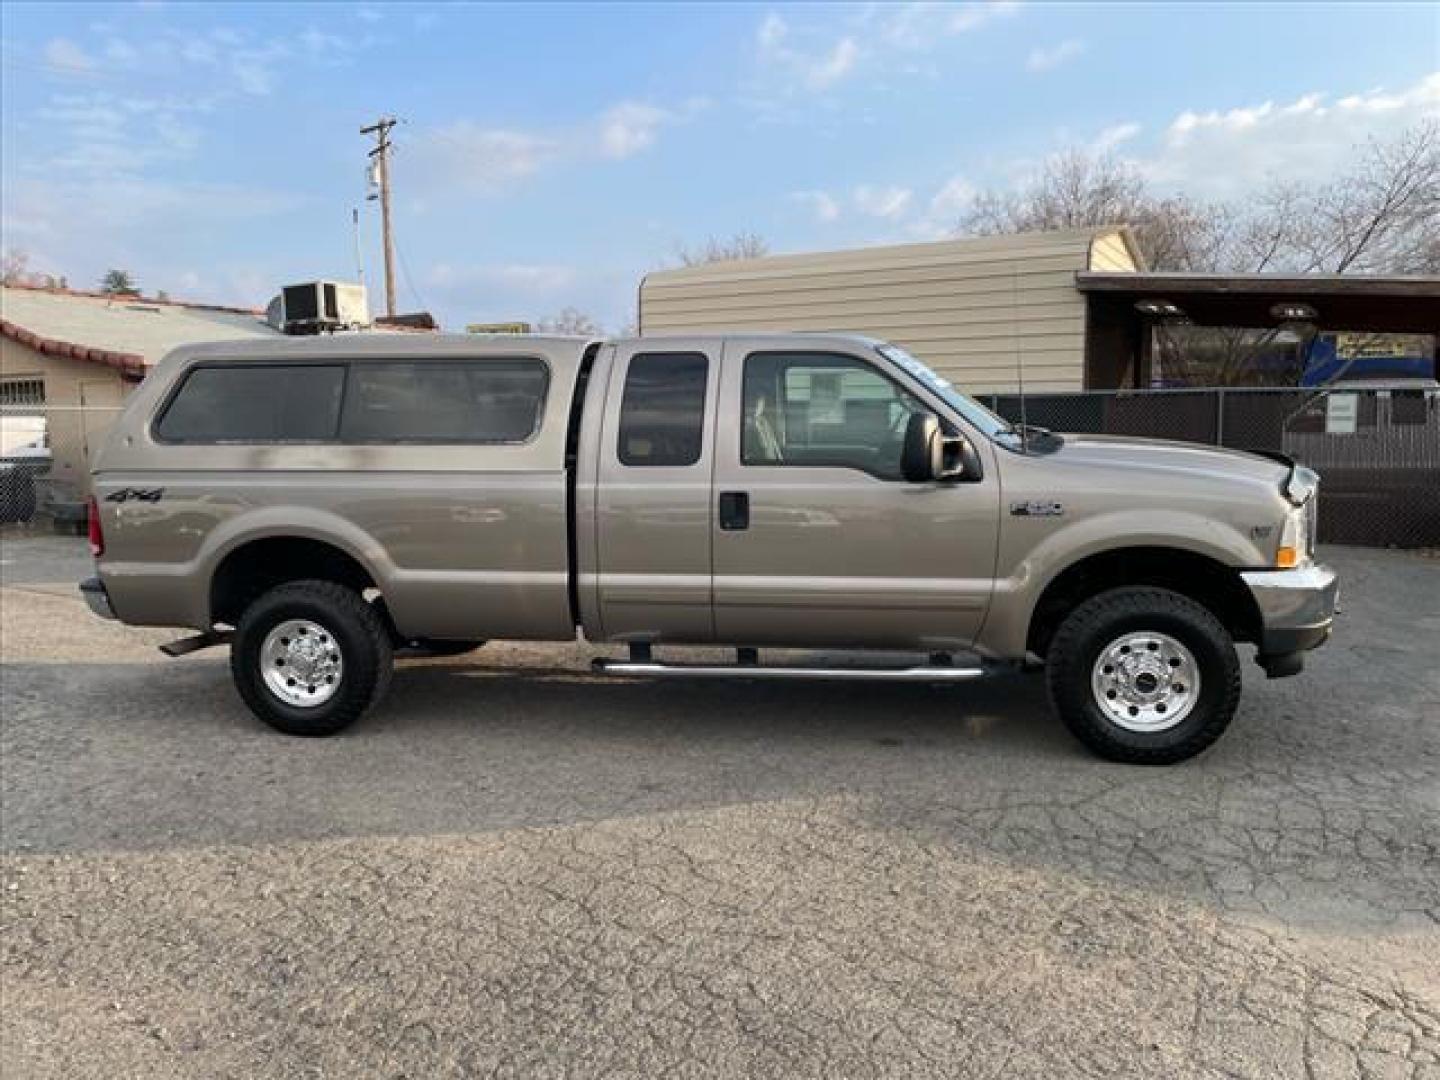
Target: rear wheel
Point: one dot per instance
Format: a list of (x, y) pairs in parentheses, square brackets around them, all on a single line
[(1144, 675), (310, 656)]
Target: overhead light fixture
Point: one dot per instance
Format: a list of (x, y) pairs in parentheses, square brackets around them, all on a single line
[(1159, 309), (1289, 311)]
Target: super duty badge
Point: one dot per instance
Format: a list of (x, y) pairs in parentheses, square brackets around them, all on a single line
[(1037, 509)]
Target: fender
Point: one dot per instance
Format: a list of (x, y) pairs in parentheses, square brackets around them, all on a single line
[(178, 593), (1006, 629)]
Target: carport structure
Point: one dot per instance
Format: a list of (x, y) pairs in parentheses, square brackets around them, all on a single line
[(1123, 308)]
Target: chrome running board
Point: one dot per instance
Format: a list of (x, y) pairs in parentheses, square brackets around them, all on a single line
[(654, 669)]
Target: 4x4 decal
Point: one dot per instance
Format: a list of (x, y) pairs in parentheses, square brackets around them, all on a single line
[(138, 494)]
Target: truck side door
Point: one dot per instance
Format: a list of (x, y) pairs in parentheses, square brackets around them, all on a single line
[(652, 511), (818, 538)]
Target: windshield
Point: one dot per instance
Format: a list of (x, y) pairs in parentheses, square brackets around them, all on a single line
[(970, 409)]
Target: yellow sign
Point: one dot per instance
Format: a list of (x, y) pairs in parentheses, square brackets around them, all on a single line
[(498, 328)]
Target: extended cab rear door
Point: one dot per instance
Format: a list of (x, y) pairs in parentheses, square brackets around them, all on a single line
[(652, 510), (818, 539)]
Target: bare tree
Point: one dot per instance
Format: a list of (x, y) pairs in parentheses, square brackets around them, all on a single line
[(1383, 216), (743, 245), (15, 268), (569, 321), (1078, 191)]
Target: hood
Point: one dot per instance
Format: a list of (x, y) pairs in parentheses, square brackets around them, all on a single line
[(1212, 462)]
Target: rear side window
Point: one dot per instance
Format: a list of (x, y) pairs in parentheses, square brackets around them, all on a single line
[(490, 401), (662, 415), (255, 403)]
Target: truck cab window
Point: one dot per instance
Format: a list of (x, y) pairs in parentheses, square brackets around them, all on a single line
[(662, 415), (819, 409)]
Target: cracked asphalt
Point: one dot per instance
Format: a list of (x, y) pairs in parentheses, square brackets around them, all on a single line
[(511, 869)]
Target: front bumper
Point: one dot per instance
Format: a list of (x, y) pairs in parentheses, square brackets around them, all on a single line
[(93, 590), (1297, 610)]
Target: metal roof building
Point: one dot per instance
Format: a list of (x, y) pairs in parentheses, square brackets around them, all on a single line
[(971, 309), (67, 360), (1074, 308)]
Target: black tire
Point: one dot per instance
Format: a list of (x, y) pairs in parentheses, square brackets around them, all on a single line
[(1101, 620), (358, 631), (431, 647)]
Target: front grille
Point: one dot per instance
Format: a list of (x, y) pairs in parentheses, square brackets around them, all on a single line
[(1312, 520)]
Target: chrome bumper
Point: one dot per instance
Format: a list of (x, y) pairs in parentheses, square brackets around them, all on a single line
[(93, 590), (1297, 609)]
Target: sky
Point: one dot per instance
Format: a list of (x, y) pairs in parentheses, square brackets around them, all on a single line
[(550, 156)]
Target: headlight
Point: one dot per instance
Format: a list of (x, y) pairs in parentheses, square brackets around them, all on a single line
[(1301, 485), (1294, 538)]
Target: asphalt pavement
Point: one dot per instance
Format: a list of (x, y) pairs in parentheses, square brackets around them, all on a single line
[(512, 868)]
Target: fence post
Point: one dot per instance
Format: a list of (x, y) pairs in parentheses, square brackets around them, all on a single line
[(1220, 416)]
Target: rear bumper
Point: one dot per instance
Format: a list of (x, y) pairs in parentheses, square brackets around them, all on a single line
[(93, 590), (1297, 611)]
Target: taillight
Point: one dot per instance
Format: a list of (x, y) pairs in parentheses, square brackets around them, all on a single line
[(97, 536)]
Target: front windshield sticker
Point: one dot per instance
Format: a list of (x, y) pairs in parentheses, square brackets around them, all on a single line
[(969, 408)]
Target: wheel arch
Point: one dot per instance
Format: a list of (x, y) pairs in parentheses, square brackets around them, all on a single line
[(259, 563), (1215, 585)]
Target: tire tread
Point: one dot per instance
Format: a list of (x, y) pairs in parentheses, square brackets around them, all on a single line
[(1069, 687)]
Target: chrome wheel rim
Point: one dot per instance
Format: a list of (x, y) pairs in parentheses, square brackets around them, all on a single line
[(301, 664), (1145, 682)]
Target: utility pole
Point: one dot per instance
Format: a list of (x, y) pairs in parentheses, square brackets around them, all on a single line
[(381, 130)]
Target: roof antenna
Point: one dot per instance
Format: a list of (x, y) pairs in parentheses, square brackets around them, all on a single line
[(1019, 362)]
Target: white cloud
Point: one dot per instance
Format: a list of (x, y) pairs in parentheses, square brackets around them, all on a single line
[(484, 159), (1051, 57), (813, 69), (1310, 136), (65, 56), (771, 34), (954, 195), (822, 204), (366, 13), (1112, 136), (918, 26), (882, 202), (630, 127), (830, 67), (490, 159), (974, 16), (226, 61), (942, 211)]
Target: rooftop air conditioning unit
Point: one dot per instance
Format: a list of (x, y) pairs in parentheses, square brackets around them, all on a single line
[(321, 307)]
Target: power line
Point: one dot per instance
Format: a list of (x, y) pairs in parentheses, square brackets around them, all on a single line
[(410, 279)]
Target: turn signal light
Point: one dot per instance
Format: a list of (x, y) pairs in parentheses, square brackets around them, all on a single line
[(1287, 558)]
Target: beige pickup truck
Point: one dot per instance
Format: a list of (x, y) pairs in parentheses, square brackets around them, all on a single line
[(320, 504)]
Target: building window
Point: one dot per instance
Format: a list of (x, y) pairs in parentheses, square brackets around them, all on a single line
[(22, 393)]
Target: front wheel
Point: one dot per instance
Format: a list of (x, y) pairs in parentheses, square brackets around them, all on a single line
[(310, 656), (1144, 675)]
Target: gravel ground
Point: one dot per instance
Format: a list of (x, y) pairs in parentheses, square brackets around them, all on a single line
[(511, 869)]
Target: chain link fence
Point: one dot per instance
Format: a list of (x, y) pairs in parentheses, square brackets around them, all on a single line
[(44, 462), (1377, 450)]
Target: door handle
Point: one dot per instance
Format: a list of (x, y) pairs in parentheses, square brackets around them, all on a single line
[(734, 510)]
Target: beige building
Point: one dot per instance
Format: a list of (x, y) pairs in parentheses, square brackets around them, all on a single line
[(68, 359), (971, 308)]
